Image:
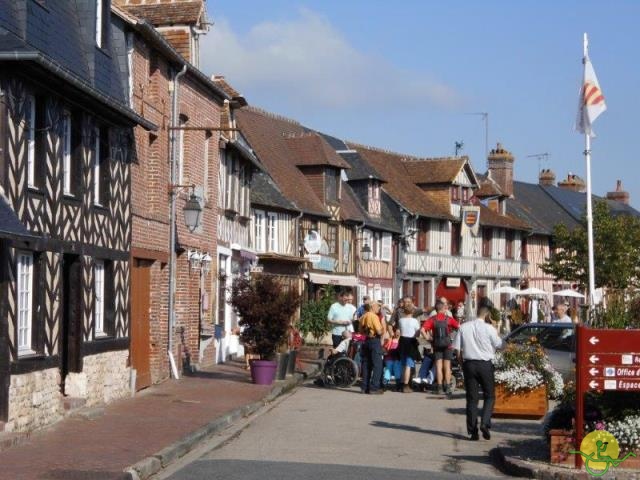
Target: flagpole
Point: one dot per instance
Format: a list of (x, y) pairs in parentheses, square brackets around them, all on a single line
[(587, 156)]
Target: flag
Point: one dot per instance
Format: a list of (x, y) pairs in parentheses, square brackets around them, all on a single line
[(470, 220), (591, 102)]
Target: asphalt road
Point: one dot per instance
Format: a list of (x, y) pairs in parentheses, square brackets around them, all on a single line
[(318, 433)]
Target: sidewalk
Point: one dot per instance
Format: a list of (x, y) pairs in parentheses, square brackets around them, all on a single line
[(148, 431)]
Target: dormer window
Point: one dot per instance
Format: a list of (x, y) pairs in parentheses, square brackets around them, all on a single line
[(373, 198), (102, 21), (332, 184), (455, 194)]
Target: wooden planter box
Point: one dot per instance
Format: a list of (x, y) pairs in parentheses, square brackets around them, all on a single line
[(532, 404), (560, 443)]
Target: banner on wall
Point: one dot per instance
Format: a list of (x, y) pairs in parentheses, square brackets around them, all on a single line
[(470, 220)]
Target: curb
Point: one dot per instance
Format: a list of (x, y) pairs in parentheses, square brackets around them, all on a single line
[(517, 467), (151, 465)]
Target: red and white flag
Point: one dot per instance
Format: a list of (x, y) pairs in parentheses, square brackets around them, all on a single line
[(591, 102)]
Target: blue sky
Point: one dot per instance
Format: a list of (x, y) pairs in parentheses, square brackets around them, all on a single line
[(406, 75)]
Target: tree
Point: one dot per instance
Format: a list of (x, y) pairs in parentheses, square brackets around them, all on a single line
[(265, 309), (616, 251), (313, 316)]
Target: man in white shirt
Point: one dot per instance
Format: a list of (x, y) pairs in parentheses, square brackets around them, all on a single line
[(561, 314), (476, 343), (340, 317)]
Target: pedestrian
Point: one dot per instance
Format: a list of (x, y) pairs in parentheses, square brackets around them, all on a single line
[(476, 343), (439, 329), (392, 366), (561, 313), (340, 317), (408, 345), (460, 312), (371, 351)]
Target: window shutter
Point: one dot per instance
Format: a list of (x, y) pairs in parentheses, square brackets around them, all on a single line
[(386, 247)]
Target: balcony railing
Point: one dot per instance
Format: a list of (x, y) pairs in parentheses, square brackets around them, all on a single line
[(440, 264)]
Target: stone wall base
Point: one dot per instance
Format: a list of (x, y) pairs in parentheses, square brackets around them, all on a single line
[(34, 400)]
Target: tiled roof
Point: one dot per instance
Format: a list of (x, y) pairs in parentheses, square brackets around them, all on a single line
[(437, 170), (310, 148), (229, 90), (488, 187), (493, 219), (400, 185), (265, 133), (178, 13)]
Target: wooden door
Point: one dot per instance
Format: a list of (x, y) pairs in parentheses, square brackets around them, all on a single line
[(140, 334), (71, 332)]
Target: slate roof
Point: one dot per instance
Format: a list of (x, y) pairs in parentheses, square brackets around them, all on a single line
[(268, 136), (400, 186), (163, 14), (532, 204), (10, 226), (55, 38), (310, 149), (433, 171), (360, 170), (265, 192), (575, 203), (493, 219)]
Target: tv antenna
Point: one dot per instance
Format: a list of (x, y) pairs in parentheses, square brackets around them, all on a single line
[(459, 147), (485, 119), (542, 157)]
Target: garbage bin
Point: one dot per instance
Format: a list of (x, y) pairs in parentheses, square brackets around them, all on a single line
[(282, 360), (291, 362)]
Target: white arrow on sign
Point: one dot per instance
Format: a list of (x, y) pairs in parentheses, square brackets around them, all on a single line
[(594, 340), (593, 384), (593, 371), (594, 359)]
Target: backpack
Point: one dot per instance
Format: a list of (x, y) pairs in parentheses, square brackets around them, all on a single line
[(441, 337)]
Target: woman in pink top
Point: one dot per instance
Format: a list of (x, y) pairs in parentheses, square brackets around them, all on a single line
[(392, 367)]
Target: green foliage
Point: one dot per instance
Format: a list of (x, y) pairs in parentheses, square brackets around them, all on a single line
[(313, 316), (622, 311), (495, 314), (616, 246), (265, 309)]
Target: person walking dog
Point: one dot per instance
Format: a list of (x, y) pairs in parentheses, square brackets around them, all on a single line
[(476, 343)]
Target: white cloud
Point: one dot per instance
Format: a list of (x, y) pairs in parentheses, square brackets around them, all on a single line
[(307, 60)]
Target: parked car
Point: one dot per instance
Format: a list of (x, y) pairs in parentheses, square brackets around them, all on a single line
[(558, 341)]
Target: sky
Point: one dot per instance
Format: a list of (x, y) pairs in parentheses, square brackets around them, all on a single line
[(412, 76)]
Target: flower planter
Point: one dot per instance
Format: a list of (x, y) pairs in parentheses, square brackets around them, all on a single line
[(561, 442), (263, 372), (529, 404)]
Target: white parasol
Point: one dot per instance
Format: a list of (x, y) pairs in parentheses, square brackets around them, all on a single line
[(532, 291), (568, 293), (506, 289)]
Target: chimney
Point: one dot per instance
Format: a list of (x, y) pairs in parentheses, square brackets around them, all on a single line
[(619, 195), (574, 183), (547, 178), (500, 163)]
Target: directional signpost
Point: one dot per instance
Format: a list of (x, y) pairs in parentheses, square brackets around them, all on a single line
[(605, 360)]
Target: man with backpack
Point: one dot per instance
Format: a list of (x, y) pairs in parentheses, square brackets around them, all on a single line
[(439, 328)]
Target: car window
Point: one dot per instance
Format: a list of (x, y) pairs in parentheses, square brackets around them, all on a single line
[(525, 333), (558, 339)]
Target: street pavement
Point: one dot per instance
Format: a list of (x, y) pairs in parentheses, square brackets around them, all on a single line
[(319, 433)]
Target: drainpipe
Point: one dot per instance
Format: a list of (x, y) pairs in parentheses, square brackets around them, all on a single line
[(172, 194)]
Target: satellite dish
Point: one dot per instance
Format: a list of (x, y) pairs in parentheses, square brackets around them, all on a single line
[(312, 242)]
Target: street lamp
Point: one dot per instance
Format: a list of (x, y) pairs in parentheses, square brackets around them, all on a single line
[(192, 212), (365, 252)]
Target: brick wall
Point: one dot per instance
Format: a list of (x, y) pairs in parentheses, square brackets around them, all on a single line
[(151, 209)]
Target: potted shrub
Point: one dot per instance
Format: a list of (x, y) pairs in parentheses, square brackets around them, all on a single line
[(265, 309), (525, 380)]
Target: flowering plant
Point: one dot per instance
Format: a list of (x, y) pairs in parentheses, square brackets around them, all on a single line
[(625, 429), (525, 366)]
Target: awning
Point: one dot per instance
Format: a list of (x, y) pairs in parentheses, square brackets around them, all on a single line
[(326, 279), (10, 225)]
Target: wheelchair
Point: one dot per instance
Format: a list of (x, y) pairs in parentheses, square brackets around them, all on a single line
[(339, 371)]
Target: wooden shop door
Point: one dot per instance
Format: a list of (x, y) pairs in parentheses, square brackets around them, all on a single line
[(140, 333)]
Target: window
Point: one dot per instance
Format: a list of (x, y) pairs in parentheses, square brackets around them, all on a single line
[(456, 233), (25, 302), (455, 193), (30, 125), (240, 190), (102, 19), (524, 256), (272, 232), (509, 244), (96, 167), (487, 234), (98, 314), (259, 229), (465, 194), (332, 239), (205, 181), (67, 152), (386, 248), (35, 123), (101, 173)]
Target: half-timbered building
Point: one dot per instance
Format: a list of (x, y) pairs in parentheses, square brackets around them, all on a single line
[(65, 155), (180, 159)]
